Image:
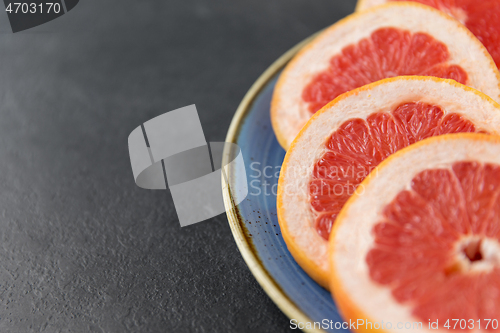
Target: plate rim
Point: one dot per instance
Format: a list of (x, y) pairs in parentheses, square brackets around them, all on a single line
[(270, 286)]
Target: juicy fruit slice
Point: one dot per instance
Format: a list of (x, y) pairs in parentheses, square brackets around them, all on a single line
[(359, 145), (481, 17), (350, 136), (399, 38), (388, 52), (424, 237), (433, 238)]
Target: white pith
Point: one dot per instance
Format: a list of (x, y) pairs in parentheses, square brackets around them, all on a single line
[(489, 249), (289, 111), (352, 238), (456, 12), (365, 4), (296, 214)]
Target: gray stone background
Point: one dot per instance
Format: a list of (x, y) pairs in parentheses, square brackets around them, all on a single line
[(82, 249)]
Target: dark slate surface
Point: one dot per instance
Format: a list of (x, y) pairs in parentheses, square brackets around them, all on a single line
[(82, 249)]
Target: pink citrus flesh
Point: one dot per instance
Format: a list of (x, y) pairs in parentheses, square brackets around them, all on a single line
[(480, 17), (359, 145), (387, 52), (415, 250)]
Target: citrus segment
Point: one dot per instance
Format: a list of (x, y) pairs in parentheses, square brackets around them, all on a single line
[(481, 17), (360, 145), (415, 243), (423, 239), (396, 39), (388, 52), (349, 137)]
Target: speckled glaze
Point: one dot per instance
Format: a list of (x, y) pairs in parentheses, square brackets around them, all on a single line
[(254, 222)]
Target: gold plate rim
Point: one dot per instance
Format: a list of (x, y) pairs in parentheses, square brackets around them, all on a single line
[(251, 259)]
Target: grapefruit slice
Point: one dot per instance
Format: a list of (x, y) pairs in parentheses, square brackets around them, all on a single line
[(481, 17), (421, 242), (390, 40), (350, 136)]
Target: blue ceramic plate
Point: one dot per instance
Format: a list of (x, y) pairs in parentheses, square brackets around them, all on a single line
[(254, 222)]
